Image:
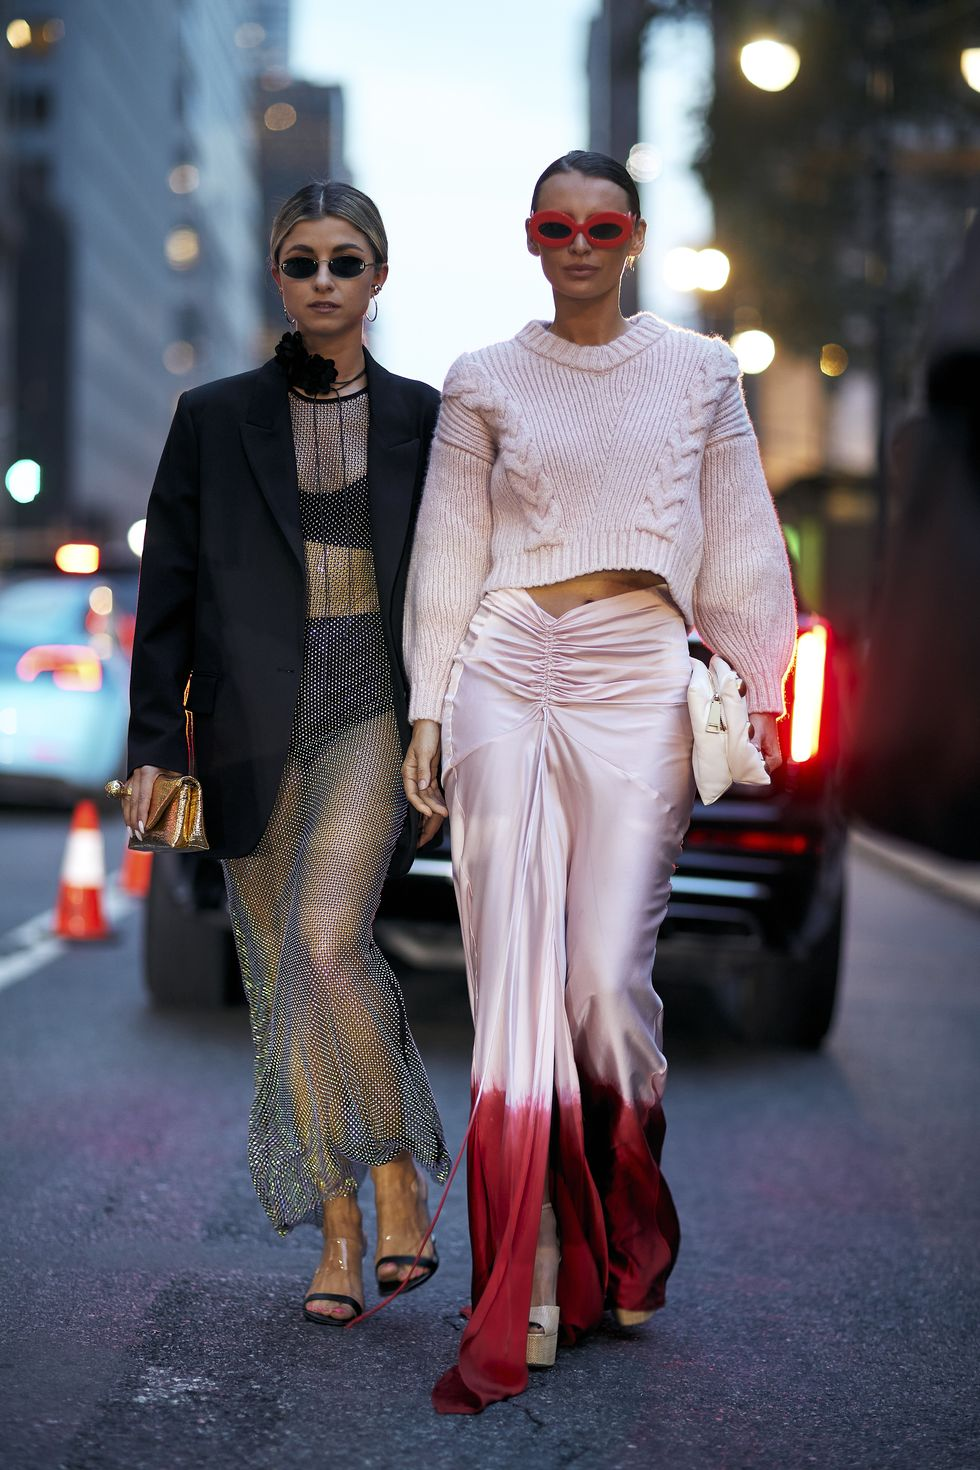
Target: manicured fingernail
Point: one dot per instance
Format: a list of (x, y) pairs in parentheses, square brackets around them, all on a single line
[(141, 828), (423, 785)]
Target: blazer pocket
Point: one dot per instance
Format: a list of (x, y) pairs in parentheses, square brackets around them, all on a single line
[(201, 690)]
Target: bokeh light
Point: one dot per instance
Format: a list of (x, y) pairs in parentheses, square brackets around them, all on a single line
[(184, 178), (23, 480), (645, 163), (179, 357), (769, 65), (100, 601), (696, 270), (714, 268), (79, 557), (833, 359), (52, 31), (970, 67), (135, 535), (279, 116), (249, 35), (18, 34), (754, 349), (183, 246), (681, 268)]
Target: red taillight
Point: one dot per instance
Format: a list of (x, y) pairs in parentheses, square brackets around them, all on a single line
[(748, 841), (808, 690), (71, 666)]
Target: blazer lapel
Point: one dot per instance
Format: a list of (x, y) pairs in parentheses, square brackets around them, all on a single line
[(393, 462), (267, 436)]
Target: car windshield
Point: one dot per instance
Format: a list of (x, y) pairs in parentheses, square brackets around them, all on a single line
[(42, 612)]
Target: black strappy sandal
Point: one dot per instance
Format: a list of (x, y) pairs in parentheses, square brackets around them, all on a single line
[(339, 1261), (387, 1285), (323, 1318)]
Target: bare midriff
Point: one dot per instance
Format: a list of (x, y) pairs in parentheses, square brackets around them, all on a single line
[(560, 597)]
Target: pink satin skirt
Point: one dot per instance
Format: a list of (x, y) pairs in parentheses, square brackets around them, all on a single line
[(567, 769)]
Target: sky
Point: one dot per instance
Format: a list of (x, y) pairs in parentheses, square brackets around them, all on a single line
[(452, 111)]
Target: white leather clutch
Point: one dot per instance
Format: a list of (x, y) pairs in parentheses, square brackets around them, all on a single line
[(723, 752)]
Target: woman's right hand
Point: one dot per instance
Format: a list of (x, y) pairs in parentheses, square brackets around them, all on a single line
[(136, 805), (420, 774)]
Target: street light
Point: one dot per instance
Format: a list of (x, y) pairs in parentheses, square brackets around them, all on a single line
[(770, 65), (696, 270), (755, 350), (714, 268)]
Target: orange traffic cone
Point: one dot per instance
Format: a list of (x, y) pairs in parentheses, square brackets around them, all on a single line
[(134, 875), (78, 912)]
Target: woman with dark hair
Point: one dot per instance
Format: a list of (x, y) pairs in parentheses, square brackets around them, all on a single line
[(272, 587), (595, 487)]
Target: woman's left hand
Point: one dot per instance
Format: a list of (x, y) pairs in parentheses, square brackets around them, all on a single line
[(763, 734)]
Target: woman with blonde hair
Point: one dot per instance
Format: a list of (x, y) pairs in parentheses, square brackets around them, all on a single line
[(272, 586), (594, 488)]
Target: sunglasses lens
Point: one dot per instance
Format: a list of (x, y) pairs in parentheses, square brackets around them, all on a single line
[(553, 229), (607, 232), (298, 267), (347, 266)]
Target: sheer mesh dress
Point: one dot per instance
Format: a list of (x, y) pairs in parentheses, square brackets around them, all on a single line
[(339, 1082)]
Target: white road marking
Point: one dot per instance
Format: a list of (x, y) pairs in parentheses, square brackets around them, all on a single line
[(31, 946)]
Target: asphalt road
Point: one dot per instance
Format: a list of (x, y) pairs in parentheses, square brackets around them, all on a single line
[(823, 1311)]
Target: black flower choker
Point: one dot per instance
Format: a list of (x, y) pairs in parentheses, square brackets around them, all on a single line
[(309, 372)]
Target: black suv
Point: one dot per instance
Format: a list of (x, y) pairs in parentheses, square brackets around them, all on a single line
[(757, 906)]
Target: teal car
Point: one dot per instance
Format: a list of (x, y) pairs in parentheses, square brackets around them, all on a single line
[(65, 646)]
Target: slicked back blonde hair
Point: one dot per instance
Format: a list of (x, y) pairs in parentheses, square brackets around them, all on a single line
[(325, 199)]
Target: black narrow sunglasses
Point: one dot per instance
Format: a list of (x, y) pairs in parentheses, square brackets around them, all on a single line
[(346, 267)]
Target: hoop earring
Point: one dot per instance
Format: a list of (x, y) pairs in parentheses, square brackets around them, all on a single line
[(374, 303)]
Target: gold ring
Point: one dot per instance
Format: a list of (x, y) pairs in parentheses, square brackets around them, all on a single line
[(127, 790)]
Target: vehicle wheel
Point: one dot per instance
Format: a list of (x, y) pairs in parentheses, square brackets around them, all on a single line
[(189, 951), (790, 1001)]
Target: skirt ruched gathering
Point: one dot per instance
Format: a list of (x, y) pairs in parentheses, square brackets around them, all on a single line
[(567, 768)]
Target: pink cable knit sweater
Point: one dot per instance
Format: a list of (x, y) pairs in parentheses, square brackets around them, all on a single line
[(551, 460)]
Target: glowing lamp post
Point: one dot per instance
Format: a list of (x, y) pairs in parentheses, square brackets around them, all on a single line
[(755, 350), (970, 67), (770, 65), (696, 270)]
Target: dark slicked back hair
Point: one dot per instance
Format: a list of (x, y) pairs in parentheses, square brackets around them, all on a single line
[(327, 199), (594, 166)]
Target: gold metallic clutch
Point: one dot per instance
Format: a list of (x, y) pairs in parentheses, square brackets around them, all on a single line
[(176, 816)]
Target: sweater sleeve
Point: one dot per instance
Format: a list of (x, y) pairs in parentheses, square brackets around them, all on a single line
[(743, 594), (451, 551)]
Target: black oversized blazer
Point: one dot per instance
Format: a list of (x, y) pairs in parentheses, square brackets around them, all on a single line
[(222, 587)]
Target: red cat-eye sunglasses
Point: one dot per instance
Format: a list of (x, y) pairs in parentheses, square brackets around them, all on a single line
[(553, 229)]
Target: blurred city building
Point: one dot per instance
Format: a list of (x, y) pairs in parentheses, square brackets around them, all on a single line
[(300, 128), (138, 232), (841, 157), (614, 65)]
